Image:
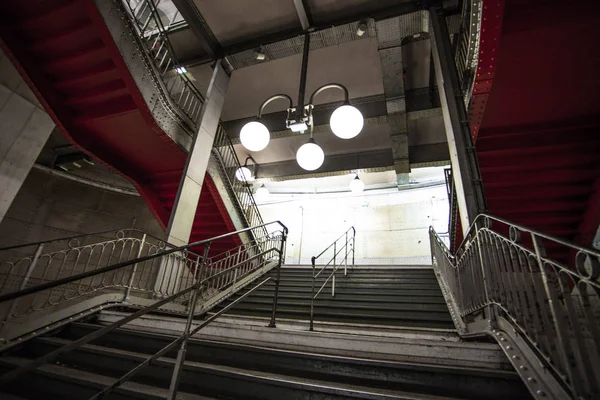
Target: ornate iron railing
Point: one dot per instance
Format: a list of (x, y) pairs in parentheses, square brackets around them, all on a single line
[(537, 295), (148, 268), (152, 35), (346, 244)]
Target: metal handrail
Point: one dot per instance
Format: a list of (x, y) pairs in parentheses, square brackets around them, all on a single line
[(89, 274), (202, 279), (545, 313), (347, 249)]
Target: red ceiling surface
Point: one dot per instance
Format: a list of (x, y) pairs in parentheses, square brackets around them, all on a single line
[(68, 57), (536, 115)]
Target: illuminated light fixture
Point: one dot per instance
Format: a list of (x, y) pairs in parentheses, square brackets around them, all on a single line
[(259, 54), (310, 155), (356, 185), (346, 121), (243, 173), (262, 192), (181, 70), (299, 127), (362, 28), (255, 136)]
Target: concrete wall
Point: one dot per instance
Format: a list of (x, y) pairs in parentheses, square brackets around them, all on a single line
[(392, 227), (49, 207), (24, 129)]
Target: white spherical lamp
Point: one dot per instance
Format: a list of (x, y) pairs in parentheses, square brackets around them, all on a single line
[(262, 192), (255, 136), (310, 156), (243, 174), (356, 185), (346, 121)]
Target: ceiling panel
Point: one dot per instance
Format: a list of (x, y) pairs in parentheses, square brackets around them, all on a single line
[(233, 21), (325, 10), (354, 64)]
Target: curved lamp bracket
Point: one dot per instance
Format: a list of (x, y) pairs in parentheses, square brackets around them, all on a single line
[(273, 98), (330, 86)]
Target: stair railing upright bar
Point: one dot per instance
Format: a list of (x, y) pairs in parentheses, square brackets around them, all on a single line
[(229, 164), (537, 295), (347, 247), (205, 278), (152, 34)]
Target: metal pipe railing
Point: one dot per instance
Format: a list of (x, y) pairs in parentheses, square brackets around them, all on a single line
[(203, 277), (545, 289), (348, 246)]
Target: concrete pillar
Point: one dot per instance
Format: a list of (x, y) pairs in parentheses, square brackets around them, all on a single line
[(465, 167), (184, 210), (24, 130)]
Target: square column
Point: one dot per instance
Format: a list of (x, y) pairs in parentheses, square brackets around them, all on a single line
[(24, 130), (186, 202)]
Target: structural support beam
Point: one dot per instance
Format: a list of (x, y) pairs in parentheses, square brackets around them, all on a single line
[(198, 25), (24, 129), (465, 167), (186, 202), (301, 11), (373, 109), (367, 161)]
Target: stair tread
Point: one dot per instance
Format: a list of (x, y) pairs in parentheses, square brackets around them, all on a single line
[(98, 381), (269, 377)]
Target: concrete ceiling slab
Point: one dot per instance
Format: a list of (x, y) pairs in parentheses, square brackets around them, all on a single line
[(185, 44), (234, 20), (354, 64), (324, 10)]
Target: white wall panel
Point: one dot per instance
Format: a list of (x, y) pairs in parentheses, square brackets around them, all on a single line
[(392, 227)]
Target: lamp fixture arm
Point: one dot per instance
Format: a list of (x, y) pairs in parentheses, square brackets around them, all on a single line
[(273, 98), (331, 86)]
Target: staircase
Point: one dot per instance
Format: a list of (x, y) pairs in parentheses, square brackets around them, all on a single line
[(224, 370), (387, 297), (68, 57)]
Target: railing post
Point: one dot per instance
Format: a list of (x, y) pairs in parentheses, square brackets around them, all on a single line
[(333, 285), (272, 324), (346, 256), (139, 254), (312, 298), (334, 253), (183, 348), (490, 308), (34, 261), (353, 244)]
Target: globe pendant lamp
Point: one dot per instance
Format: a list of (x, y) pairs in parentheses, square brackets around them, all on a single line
[(243, 174), (255, 136), (262, 192), (356, 185), (310, 156), (346, 121)]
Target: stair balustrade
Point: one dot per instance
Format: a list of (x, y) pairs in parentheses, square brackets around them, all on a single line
[(537, 295), (45, 285)]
